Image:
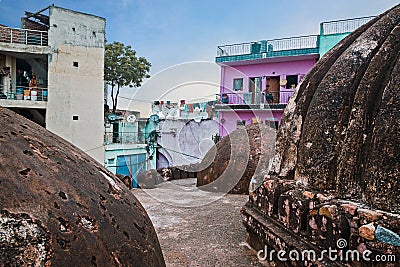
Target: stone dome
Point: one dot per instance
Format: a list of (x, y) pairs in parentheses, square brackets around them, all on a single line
[(58, 207), (232, 162), (341, 130), (333, 182)]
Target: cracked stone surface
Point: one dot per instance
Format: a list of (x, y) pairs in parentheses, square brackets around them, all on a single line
[(341, 130), (59, 207), (232, 162), (335, 171)]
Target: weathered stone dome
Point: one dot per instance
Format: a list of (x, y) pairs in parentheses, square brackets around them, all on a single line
[(333, 182), (232, 162), (341, 130), (58, 207)]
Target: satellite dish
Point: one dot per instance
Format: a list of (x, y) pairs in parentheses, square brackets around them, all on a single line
[(131, 118), (112, 117), (197, 119)]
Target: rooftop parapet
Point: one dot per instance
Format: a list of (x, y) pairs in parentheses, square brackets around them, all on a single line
[(343, 26)]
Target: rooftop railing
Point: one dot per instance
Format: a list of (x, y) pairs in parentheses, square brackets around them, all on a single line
[(307, 44), (124, 138), (234, 49), (301, 42), (343, 26), (283, 44), (23, 36)]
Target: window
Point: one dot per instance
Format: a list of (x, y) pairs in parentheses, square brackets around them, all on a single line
[(255, 90), (238, 84), (291, 79), (240, 124), (75, 64), (274, 124), (75, 117)]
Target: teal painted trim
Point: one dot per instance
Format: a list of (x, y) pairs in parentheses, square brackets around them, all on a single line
[(293, 52), (335, 34), (329, 41), (238, 58), (271, 54)]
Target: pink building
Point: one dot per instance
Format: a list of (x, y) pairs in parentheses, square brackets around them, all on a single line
[(257, 79), (248, 69)]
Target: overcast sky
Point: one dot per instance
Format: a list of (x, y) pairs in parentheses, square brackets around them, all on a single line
[(169, 32)]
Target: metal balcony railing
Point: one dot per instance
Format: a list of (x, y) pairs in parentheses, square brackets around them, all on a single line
[(284, 96), (274, 45), (343, 26), (24, 93), (250, 98), (23, 36), (124, 138), (301, 42), (234, 50)]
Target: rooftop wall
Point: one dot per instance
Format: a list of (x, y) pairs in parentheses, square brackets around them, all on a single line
[(75, 28), (75, 107)]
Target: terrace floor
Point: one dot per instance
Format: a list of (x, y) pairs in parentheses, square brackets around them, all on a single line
[(197, 228)]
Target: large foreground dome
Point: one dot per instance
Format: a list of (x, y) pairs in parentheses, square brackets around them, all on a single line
[(58, 207)]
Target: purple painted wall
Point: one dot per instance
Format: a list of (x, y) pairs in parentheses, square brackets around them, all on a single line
[(281, 69), (228, 119), (267, 70)]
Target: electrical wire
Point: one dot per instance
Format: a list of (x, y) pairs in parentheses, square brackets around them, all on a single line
[(188, 101), (143, 101), (191, 130), (168, 149)]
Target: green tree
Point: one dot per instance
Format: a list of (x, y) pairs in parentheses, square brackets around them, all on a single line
[(123, 68)]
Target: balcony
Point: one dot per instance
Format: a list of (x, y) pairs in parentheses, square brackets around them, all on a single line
[(294, 46), (24, 93), (124, 138), (343, 26), (24, 97), (257, 100), (23, 36)]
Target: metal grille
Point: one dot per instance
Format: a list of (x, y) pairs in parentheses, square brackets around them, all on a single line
[(343, 26), (23, 36)]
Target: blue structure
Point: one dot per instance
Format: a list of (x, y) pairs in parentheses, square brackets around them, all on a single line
[(126, 148), (131, 165)]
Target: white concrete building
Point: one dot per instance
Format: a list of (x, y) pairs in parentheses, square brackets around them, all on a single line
[(64, 49), (185, 131), (184, 142)]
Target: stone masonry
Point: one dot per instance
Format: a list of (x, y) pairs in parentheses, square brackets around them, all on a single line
[(333, 181)]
